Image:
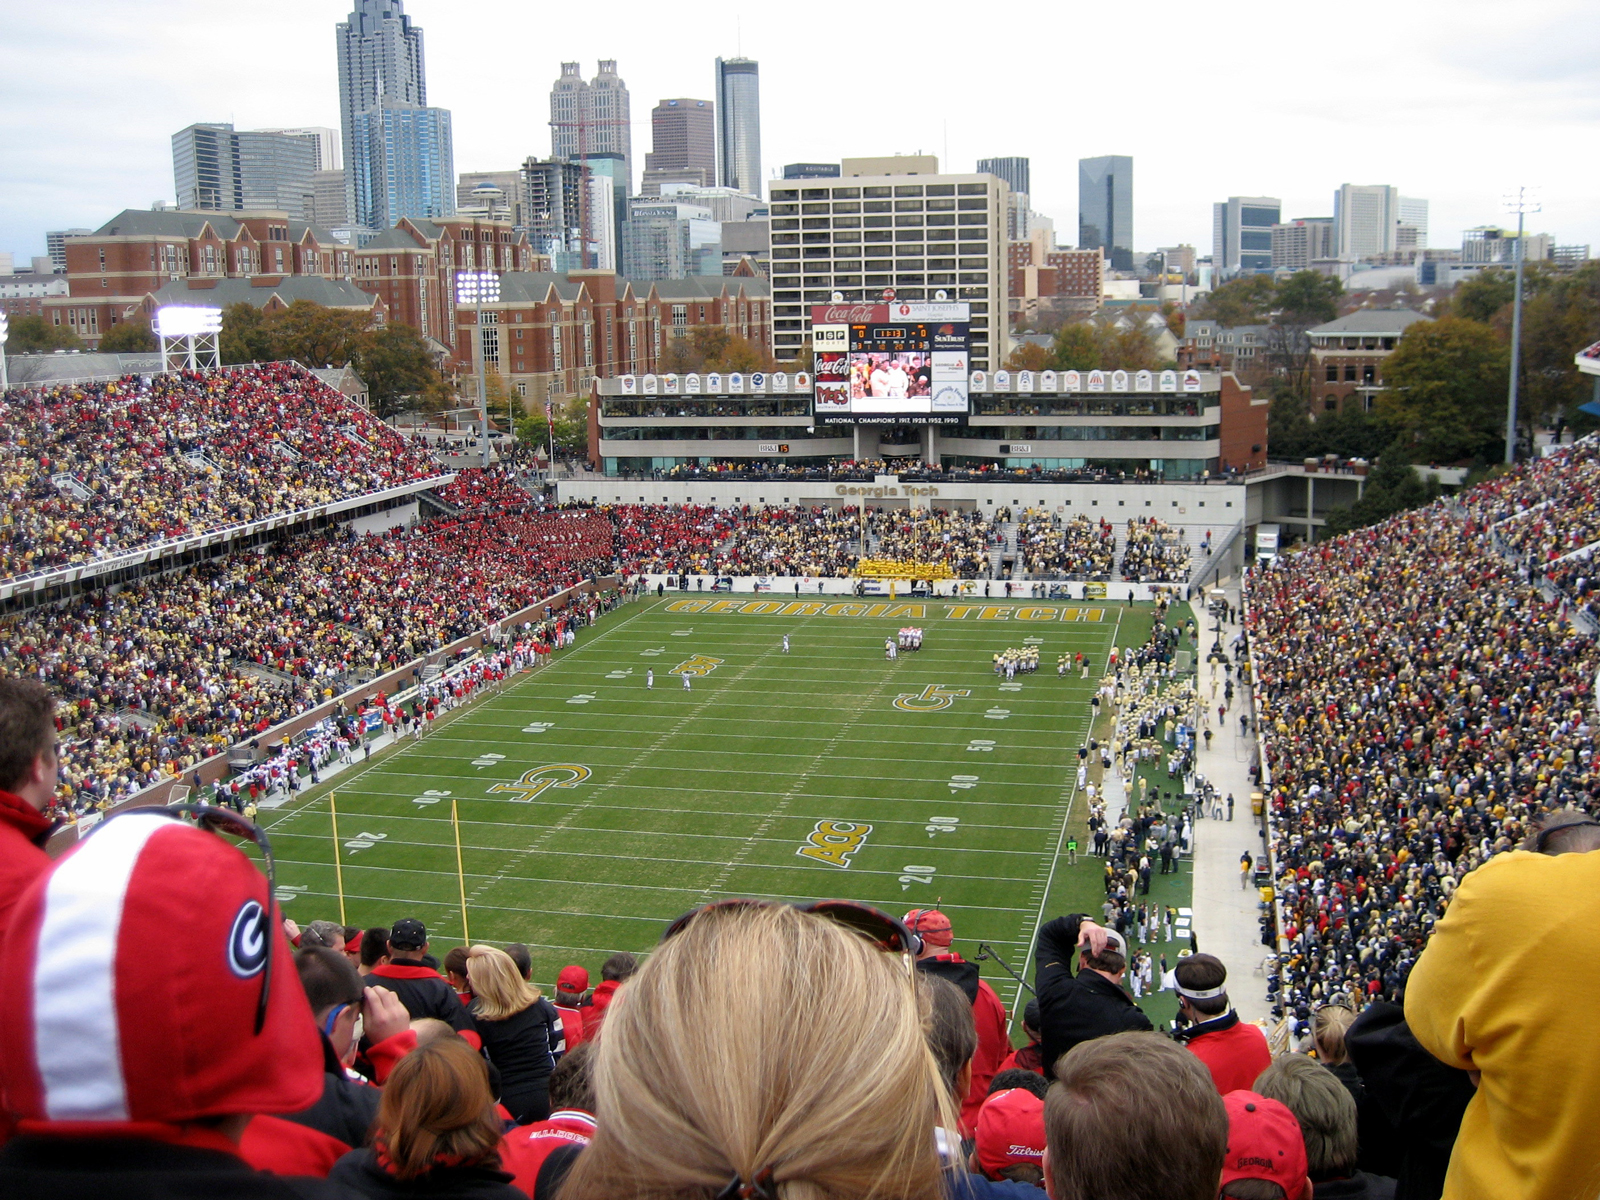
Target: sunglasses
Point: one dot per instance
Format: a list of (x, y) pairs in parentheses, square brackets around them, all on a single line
[(879, 928), (226, 821)]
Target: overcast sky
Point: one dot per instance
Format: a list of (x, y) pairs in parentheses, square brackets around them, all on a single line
[(1455, 102)]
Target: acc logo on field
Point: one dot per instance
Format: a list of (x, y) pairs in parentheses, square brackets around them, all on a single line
[(930, 699), (247, 940), (561, 775), (833, 842)]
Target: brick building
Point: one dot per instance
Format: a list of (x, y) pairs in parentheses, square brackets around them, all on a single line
[(550, 335), (1042, 278), (111, 271), (23, 295), (1347, 356)]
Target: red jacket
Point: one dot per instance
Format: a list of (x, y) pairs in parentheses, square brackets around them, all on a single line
[(990, 1017), (525, 1148), (1234, 1053), (598, 1000), (571, 1024), (23, 829)]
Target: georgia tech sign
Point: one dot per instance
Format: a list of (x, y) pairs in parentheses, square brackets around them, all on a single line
[(532, 783), (879, 493)]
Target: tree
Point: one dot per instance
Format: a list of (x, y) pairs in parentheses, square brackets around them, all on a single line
[(1304, 300), (1445, 390), (1029, 356), (1560, 318), (1393, 486), (1480, 298), (1242, 301), (246, 335), (569, 422), (315, 336), (35, 335), (129, 337), (707, 348), (1077, 348), (393, 361)]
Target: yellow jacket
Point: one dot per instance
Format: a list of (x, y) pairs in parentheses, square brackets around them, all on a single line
[(1507, 987)]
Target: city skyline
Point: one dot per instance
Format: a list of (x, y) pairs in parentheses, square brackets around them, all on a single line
[(1520, 114)]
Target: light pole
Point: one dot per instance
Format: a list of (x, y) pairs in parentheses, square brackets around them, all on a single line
[(1522, 201), (5, 330), (475, 288)]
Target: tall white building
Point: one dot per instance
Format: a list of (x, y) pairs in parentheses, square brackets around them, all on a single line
[(1364, 219), (328, 141), (1414, 213), (916, 233)]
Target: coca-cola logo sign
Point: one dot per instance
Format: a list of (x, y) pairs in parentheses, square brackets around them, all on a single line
[(846, 314)]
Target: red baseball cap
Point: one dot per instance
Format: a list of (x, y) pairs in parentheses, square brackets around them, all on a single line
[(1010, 1131), (101, 1030), (931, 924), (1264, 1142), (572, 979)]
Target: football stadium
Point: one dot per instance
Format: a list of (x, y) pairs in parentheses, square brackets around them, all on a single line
[(545, 765)]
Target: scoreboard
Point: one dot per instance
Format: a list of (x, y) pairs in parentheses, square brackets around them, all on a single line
[(885, 363)]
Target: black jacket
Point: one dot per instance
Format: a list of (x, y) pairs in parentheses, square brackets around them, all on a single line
[(1422, 1098), (423, 991), (134, 1169), (522, 1048), (1075, 1008), (359, 1174), (1359, 1186), (347, 1109)]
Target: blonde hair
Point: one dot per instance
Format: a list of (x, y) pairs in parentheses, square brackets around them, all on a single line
[(765, 1039), (1328, 1027), (498, 986)]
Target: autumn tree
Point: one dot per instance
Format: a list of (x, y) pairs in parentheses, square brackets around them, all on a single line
[(1445, 390), (707, 348), (35, 335), (246, 336), (400, 373), (315, 336), (129, 337), (1029, 356)]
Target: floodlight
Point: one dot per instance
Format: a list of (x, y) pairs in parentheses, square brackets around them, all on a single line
[(477, 287), (182, 320)]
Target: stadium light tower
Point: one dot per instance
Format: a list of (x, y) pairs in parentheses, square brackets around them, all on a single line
[(189, 337), (1521, 201), (5, 332), (477, 288)]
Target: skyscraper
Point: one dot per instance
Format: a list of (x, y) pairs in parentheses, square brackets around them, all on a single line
[(1105, 207), (683, 137), (397, 151), (1241, 234), (591, 118), (1015, 171), (217, 167), (1414, 212), (1364, 219), (404, 164), (739, 125)]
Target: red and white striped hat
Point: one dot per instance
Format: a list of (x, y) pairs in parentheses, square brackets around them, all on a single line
[(129, 985)]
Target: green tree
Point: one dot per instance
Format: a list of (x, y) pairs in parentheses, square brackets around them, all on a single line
[(35, 335), (129, 337), (1560, 318), (1308, 297), (315, 336), (1482, 297), (569, 421), (393, 361), (246, 335), (1243, 301), (1445, 390), (1077, 348), (1393, 486)]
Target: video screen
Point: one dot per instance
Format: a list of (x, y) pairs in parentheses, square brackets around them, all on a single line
[(890, 382)]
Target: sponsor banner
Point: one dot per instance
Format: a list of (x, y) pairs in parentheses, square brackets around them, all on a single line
[(1169, 381), (652, 385), (630, 385), (1191, 381)]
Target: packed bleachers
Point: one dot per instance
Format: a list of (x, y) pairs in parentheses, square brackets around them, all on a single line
[(166, 672), (1423, 703), (793, 540), (89, 470), (662, 539), (961, 539), (1080, 548), (1155, 552)]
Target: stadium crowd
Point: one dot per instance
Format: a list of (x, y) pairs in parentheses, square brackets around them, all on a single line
[(1155, 552), (1080, 548), (93, 469), (170, 670), (1423, 704)]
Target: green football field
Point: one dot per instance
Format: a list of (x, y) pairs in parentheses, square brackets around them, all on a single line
[(594, 809)]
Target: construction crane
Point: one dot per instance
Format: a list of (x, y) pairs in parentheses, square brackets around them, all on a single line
[(583, 125)]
